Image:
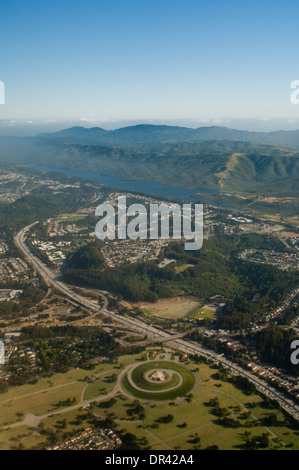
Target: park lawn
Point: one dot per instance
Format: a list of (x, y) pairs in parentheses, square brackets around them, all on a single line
[(231, 389), (286, 436), (11, 438), (53, 381), (45, 395), (95, 390), (160, 446), (118, 410), (194, 414), (203, 415), (34, 440), (213, 434), (38, 404), (260, 411), (100, 386), (70, 416), (132, 358), (206, 373), (136, 428)]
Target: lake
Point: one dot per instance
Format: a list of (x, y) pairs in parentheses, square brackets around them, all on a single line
[(145, 187)]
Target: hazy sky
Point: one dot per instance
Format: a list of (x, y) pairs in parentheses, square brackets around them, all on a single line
[(164, 59)]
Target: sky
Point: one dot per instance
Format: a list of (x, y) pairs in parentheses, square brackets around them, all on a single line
[(140, 60)]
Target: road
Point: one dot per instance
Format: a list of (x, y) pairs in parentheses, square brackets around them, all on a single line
[(189, 347)]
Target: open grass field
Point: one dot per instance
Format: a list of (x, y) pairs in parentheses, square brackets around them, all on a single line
[(72, 218), (13, 438), (136, 428), (206, 312), (38, 404), (224, 438), (182, 267), (193, 423), (196, 419), (55, 381), (95, 389), (175, 308), (101, 386)]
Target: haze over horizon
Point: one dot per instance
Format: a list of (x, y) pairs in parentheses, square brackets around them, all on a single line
[(34, 127)]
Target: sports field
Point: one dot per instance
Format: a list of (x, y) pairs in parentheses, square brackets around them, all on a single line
[(71, 218), (175, 308), (203, 313)]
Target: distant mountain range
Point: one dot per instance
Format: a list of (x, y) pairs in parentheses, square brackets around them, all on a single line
[(152, 134), (207, 157)]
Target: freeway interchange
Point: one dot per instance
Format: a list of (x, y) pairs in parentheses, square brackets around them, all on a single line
[(155, 334)]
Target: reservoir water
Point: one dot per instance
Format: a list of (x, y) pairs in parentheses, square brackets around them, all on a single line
[(145, 187)]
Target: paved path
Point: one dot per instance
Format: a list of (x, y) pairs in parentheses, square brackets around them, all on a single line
[(186, 433), (130, 380), (7, 400), (33, 421), (93, 379), (245, 409)]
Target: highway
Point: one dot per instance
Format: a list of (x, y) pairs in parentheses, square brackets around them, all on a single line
[(154, 333)]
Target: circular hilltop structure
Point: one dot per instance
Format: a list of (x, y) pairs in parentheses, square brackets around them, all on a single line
[(158, 381)]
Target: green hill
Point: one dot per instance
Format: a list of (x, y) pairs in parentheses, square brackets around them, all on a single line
[(194, 158)]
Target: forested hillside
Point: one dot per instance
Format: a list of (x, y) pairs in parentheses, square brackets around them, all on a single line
[(223, 165)]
